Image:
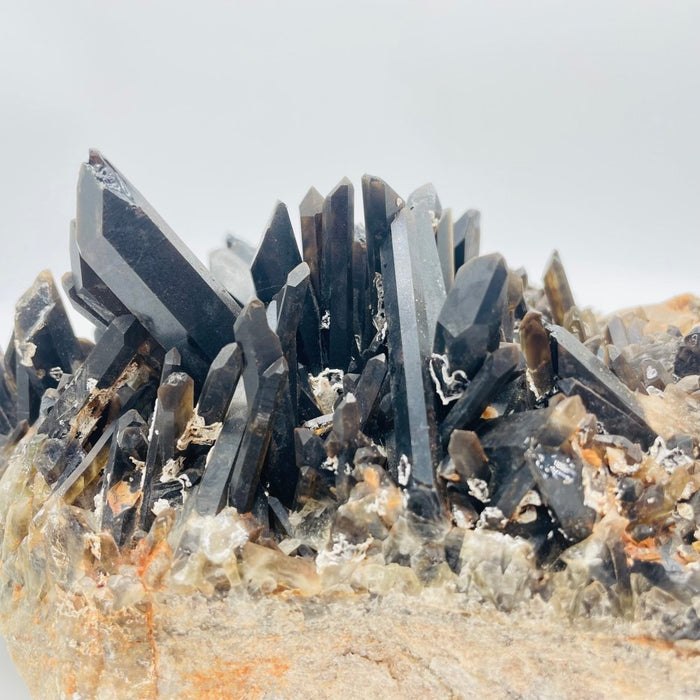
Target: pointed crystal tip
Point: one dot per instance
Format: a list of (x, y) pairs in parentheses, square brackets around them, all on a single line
[(108, 176)]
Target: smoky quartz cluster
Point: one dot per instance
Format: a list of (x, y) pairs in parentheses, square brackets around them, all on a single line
[(385, 394)]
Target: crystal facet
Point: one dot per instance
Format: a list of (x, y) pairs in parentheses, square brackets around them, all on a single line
[(470, 320), (127, 245)]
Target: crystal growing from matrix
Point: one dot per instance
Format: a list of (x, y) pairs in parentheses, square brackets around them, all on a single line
[(381, 407)]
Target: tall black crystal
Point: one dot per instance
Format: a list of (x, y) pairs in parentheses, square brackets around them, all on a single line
[(136, 256), (256, 437), (336, 272), (413, 295), (211, 494)]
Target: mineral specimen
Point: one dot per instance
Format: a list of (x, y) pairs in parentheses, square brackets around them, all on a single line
[(385, 413)]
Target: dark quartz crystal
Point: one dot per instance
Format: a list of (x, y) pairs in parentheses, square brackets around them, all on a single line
[(128, 246), (688, 357), (559, 481), (311, 214), (289, 304), (171, 415), (277, 256), (363, 329), (262, 349), (120, 495), (383, 370), (336, 272), (309, 449), (468, 456), (368, 388), (123, 340), (44, 344), (256, 436), (261, 346), (381, 205), (413, 294), (505, 442), (498, 369), (575, 362), (622, 369), (470, 320), (467, 237), (426, 198), (211, 494)]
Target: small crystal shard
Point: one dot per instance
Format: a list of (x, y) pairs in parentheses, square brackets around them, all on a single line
[(120, 494), (220, 383), (277, 256), (444, 239), (231, 267), (556, 287), (534, 342), (467, 237)]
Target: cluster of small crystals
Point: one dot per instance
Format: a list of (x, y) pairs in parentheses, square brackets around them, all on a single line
[(386, 399)]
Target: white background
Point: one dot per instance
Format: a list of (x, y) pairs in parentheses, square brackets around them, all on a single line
[(569, 124)]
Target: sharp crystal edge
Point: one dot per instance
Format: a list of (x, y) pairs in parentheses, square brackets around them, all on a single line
[(120, 495), (211, 494), (467, 237), (445, 244), (311, 214), (251, 453), (575, 362), (117, 232), (385, 364), (231, 267), (220, 384), (277, 255), (413, 293), (556, 287), (337, 272), (469, 323)]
